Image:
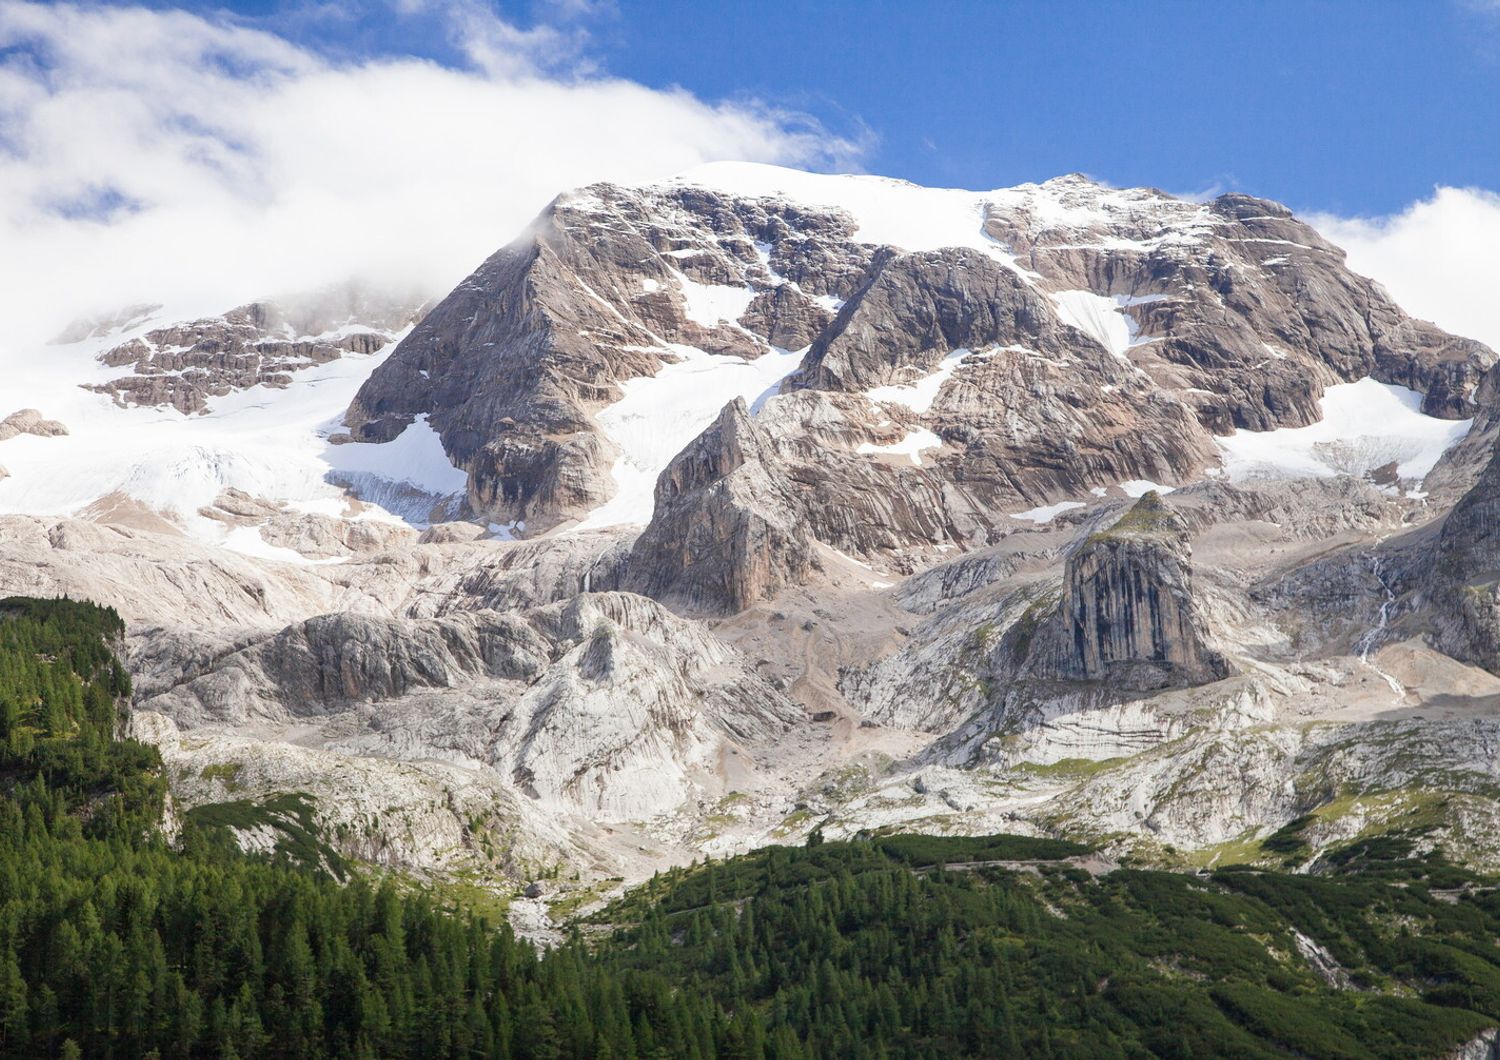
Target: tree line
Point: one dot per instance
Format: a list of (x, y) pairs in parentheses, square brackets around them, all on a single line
[(118, 943)]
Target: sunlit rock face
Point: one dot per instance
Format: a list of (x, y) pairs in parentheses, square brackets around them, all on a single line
[(1129, 616)]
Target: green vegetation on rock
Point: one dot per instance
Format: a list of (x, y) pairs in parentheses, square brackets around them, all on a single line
[(1149, 516)]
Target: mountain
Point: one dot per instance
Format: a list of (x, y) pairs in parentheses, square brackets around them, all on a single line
[(712, 513)]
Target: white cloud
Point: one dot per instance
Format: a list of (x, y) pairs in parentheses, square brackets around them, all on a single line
[(1438, 258), (153, 155)]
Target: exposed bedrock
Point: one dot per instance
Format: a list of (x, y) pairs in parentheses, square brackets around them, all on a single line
[(186, 365), (729, 528), (1466, 586), (1128, 615), (1106, 335)]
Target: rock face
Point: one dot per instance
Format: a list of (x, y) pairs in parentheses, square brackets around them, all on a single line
[(512, 364), (1128, 615), (1466, 589), (728, 528), (309, 534), (260, 344), (607, 703), (331, 661), (1253, 298), (30, 421)]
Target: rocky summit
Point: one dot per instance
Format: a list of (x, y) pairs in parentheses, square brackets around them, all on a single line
[(757, 503)]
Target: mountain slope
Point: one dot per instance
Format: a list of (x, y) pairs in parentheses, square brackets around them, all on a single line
[(712, 512)]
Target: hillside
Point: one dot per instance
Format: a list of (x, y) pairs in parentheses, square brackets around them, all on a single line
[(127, 938)]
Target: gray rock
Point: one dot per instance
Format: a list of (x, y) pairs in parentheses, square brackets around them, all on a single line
[(728, 529), (1466, 589), (30, 421), (1128, 616), (259, 344)]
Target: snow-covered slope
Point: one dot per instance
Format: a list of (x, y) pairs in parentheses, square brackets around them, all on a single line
[(269, 442), (915, 218), (660, 414), (1365, 425)]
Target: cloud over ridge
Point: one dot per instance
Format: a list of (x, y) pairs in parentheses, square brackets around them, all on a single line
[(1439, 258), (159, 155)]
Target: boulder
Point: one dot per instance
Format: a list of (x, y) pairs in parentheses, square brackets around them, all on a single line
[(30, 421)]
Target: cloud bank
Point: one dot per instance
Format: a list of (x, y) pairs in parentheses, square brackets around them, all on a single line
[(150, 156), (161, 156), (1439, 258)]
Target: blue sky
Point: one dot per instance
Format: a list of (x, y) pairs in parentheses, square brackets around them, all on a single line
[(1356, 107)]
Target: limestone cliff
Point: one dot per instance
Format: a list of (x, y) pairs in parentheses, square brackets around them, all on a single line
[(1466, 590), (728, 529), (1128, 612)]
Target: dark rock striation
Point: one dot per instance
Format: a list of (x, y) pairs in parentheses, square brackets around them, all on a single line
[(1466, 589)]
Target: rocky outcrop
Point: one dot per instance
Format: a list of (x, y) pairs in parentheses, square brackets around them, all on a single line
[(512, 364), (638, 703), (912, 310), (30, 421), (1466, 590), (526, 574), (186, 365), (157, 577), (1003, 640), (309, 534), (728, 528), (1486, 1046), (1128, 616), (428, 815), (606, 703), (331, 661)]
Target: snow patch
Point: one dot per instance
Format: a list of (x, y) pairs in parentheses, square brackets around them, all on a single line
[(415, 457), (1365, 425), (920, 395), (1104, 318), (913, 445), (885, 211), (714, 304), (1139, 487), (247, 541), (1047, 512), (269, 442), (657, 417)]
